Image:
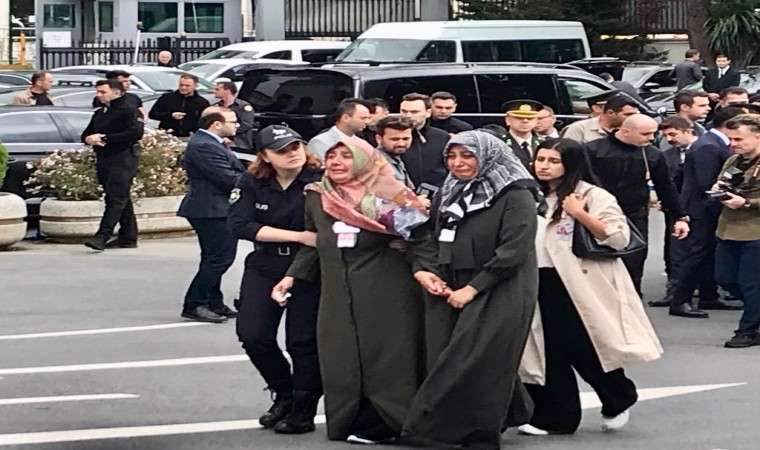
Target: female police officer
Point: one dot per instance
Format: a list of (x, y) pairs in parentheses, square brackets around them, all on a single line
[(268, 208)]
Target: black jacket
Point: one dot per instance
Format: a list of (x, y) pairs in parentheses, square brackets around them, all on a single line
[(622, 171), (212, 172), (451, 125), (119, 123), (675, 166), (171, 102), (713, 84), (525, 157), (244, 139), (704, 162), (424, 159)]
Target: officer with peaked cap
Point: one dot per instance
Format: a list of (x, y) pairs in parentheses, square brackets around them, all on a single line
[(521, 118), (597, 100)]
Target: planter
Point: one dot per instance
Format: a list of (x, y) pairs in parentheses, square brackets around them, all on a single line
[(156, 217), (12, 225)]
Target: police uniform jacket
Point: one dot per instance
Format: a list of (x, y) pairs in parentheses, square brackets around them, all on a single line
[(171, 102), (129, 97), (259, 202), (244, 138), (622, 171), (120, 126), (212, 172), (424, 159)]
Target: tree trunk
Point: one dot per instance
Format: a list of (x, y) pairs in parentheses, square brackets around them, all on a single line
[(697, 13)]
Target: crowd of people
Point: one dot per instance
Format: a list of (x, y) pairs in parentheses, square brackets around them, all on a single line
[(427, 268)]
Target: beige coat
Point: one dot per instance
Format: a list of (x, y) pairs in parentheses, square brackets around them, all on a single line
[(26, 98), (602, 292)]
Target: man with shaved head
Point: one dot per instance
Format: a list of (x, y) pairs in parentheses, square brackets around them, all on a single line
[(629, 167)]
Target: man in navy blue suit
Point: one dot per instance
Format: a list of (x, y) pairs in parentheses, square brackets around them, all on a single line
[(212, 171), (703, 164)]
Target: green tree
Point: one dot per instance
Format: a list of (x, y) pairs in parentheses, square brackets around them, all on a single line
[(3, 162), (733, 27)]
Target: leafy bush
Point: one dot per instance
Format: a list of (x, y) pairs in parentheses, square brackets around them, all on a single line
[(71, 174), (3, 162)]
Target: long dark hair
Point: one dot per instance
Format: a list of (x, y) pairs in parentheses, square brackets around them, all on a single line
[(577, 169)]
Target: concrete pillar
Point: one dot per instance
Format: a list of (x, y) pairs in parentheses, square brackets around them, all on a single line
[(270, 20), (434, 10)]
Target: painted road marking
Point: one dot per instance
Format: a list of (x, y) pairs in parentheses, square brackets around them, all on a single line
[(165, 326), (46, 437), (65, 398), (126, 365)]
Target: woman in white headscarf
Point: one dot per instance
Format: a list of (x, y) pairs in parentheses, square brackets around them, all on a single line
[(485, 220)]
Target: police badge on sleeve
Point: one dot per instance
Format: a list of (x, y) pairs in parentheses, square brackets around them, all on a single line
[(234, 196)]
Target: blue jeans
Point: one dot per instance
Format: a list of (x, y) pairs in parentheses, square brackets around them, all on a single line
[(737, 267), (218, 248)]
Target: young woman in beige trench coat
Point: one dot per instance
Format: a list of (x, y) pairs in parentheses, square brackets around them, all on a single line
[(590, 317)]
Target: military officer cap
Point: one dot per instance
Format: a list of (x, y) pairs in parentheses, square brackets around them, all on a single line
[(747, 108), (522, 109), (600, 98)]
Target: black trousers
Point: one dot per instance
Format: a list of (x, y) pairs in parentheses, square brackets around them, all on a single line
[(218, 249), (667, 254), (115, 173), (259, 319), (635, 263), (698, 262), (568, 347)]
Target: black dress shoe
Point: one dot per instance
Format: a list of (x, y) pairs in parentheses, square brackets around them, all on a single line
[(743, 341), (721, 305), (226, 311), (660, 303), (686, 310), (96, 243), (732, 298), (203, 314), (121, 243)]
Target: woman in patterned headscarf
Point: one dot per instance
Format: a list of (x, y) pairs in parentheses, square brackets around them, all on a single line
[(370, 329), (485, 219)]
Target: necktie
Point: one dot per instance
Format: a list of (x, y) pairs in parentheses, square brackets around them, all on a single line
[(526, 147)]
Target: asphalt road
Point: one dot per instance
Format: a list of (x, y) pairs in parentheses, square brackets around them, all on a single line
[(171, 385)]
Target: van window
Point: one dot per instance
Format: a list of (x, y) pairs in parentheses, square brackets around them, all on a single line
[(319, 56), (495, 89), (544, 50), (285, 54), (283, 92), (577, 90), (399, 50), (463, 86), (227, 54)]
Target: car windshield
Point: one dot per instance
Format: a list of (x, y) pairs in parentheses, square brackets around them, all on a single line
[(228, 54), (203, 70), (166, 80), (634, 74), (396, 50)]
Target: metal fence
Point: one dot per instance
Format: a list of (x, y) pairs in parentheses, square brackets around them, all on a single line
[(343, 18), (123, 52)]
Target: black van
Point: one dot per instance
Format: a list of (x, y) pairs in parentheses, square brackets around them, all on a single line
[(305, 98)]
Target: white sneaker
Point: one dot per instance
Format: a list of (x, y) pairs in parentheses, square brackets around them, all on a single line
[(617, 422), (530, 430), (358, 439)]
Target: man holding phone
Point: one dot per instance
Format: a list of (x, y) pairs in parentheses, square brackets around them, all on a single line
[(697, 252)]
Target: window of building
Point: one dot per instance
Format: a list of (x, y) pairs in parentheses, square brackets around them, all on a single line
[(105, 17), (204, 17), (158, 17), (59, 16)]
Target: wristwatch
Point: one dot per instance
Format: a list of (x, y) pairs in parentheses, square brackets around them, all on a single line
[(747, 203), (686, 219)]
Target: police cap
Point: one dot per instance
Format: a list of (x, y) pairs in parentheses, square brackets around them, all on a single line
[(523, 109), (277, 137)]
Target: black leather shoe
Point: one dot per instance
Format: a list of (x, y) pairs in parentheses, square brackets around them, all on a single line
[(283, 403), (300, 418), (226, 311), (120, 243), (721, 305), (686, 310), (96, 243), (660, 303), (732, 298), (203, 314), (743, 341)]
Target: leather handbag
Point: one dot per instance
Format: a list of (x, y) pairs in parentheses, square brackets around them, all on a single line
[(586, 246)]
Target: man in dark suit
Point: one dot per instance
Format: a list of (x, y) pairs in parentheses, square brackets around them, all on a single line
[(212, 171), (679, 134), (721, 77), (697, 252), (521, 119)]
